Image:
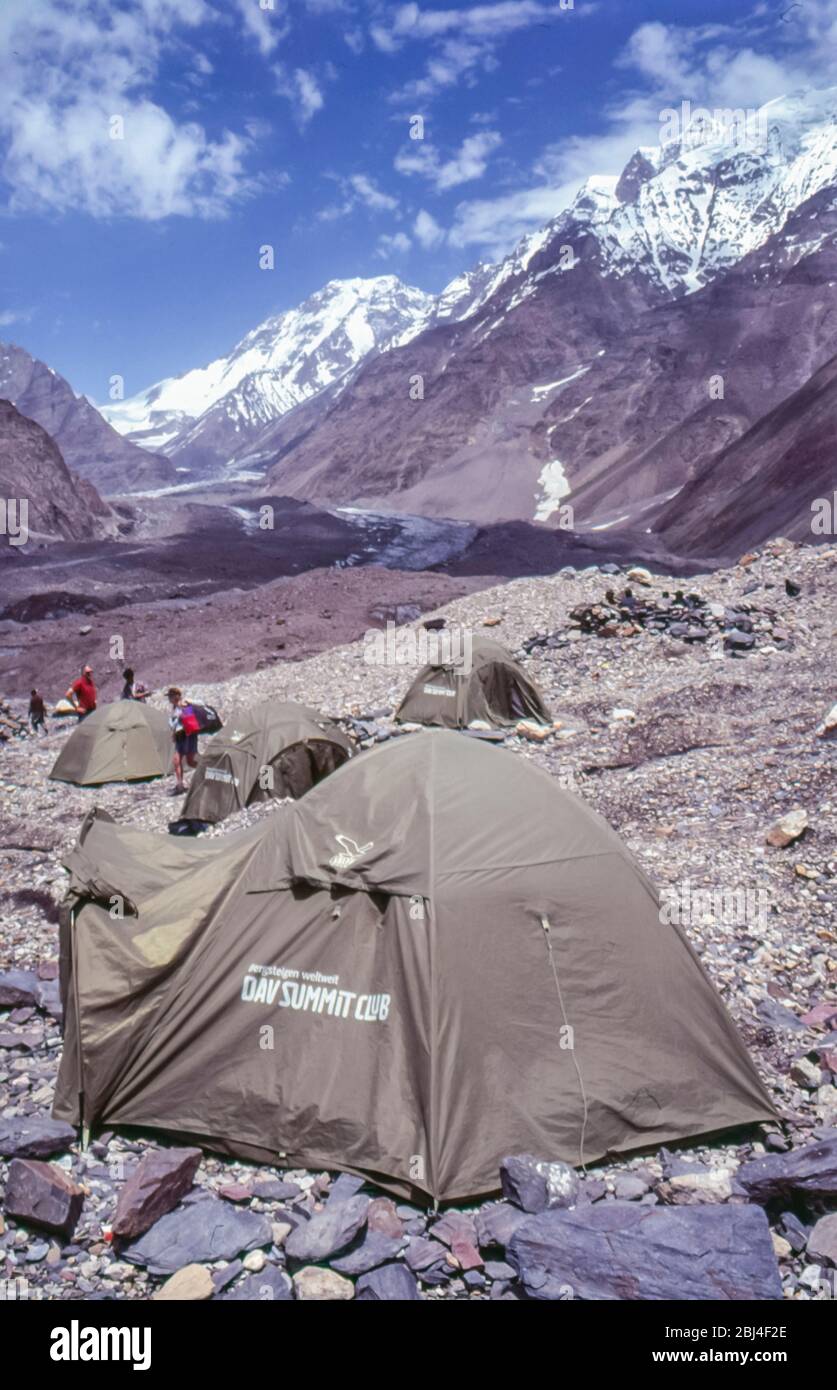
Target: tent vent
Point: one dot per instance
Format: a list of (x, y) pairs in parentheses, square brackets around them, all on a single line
[(547, 931)]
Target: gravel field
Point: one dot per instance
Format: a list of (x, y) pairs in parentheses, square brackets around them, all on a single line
[(693, 748)]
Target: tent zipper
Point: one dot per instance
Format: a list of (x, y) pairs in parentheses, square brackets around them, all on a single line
[(547, 931)]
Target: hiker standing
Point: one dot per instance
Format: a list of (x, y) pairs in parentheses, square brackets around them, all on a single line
[(185, 737), (82, 694), (132, 690), (37, 711)]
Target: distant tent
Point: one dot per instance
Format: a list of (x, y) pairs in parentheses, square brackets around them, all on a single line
[(294, 745), (491, 687), (457, 959), (123, 742)]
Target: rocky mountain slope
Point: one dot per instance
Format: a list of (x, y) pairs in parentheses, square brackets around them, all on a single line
[(225, 413), (581, 369), (59, 503), (779, 469), (693, 760), (87, 442)]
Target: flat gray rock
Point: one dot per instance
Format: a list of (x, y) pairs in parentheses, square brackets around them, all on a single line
[(623, 1250), (390, 1284), (812, 1170), (200, 1231), (32, 1136), (329, 1232), (375, 1250), (18, 987)]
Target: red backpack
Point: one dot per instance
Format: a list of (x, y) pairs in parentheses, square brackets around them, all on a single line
[(189, 722)]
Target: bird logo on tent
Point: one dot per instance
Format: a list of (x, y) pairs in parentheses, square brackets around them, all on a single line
[(350, 851)]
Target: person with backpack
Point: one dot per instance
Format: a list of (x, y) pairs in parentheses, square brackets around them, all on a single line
[(187, 720), (184, 731), (133, 690)]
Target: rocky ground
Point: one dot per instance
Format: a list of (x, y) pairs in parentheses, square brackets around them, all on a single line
[(695, 725)]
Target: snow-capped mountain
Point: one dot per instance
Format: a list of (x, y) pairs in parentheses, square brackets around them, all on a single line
[(580, 368), (216, 414)]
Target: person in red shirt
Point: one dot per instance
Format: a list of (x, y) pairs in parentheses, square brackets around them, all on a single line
[(82, 693)]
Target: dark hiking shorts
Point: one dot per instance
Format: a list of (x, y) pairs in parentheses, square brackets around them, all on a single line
[(186, 744)]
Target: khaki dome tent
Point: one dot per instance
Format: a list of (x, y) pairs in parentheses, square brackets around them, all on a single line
[(491, 686), (299, 745), (419, 932), (123, 742)]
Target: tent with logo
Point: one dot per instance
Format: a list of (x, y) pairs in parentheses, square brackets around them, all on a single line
[(482, 681), (271, 750), (436, 958), (123, 742)]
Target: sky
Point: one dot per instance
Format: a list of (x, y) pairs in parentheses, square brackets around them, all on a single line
[(149, 149)]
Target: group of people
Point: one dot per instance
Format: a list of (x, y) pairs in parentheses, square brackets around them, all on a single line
[(83, 696)]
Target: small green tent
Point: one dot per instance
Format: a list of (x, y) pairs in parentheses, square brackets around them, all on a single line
[(271, 750), (484, 683), (452, 958), (123, 742)]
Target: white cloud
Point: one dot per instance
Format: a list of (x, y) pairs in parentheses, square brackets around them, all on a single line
[(12, 316), (369, 193), (86, 63), (302, 90), (396, 245), (358, 190), (266, 27), (427, 231), (462, 40), (470, 162)]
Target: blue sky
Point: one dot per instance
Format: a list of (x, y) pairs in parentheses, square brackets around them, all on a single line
[(287, 122)]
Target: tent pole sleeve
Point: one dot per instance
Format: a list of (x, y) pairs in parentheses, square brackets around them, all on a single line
[(85, 1129)]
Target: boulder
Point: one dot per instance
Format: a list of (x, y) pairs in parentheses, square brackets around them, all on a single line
[(828, 727), (158, 1183), (535, 1185), (712, 1185), (42, 1194), (822, 1242), (382, 1216), (375, 1249), (428, 1259), (273, 1190), (322, 1285), (33, 1136), (497, 1223), (200, 1231), (191, 1284), (390, 1284), (18, 987), (345, 1185), (812, 1170), (624, 1250), (788, 829), (457, 1231), (329, 1232)]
